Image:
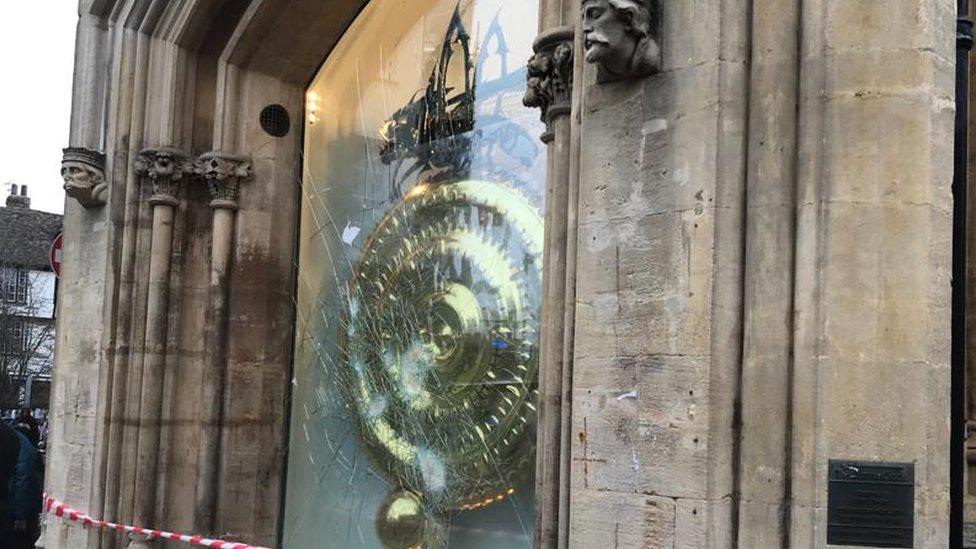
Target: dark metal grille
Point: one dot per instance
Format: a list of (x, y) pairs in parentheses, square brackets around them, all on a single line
[(275, 120)]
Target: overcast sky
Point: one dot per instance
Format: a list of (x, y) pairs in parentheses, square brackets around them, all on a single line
[(37, 41)]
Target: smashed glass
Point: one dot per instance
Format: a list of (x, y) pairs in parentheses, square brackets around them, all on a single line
[(416, 362)]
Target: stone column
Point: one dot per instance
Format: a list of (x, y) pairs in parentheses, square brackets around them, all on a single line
[(658, 287), (82, 360), (873, 253), (550, 78), (768, 275), (970, 505), (224, 174), (165, 170)]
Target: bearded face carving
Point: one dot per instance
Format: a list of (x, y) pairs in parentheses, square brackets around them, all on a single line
[(83, 171), (618, 38)]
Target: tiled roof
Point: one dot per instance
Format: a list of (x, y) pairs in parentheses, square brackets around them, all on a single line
[(26, 236)]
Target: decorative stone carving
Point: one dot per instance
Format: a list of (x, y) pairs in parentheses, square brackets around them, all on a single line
[(83, 171), (620, 37), (224, 174), (550, 76), (165, 168)]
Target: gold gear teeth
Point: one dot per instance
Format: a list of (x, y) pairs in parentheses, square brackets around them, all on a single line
[(440, 357)]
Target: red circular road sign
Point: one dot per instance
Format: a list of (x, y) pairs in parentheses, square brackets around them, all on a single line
[(56, 255)]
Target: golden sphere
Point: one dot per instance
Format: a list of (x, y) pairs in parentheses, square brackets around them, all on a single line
[(401, 521)]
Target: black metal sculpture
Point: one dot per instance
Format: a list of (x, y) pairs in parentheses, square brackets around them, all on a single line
[(432, 130)]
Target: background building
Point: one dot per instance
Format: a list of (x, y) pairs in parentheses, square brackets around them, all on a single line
[(27, 302), (323, 286)]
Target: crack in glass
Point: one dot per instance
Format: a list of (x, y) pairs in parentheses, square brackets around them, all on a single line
[(413, 420)]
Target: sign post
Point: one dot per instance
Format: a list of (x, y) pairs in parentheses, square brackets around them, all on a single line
[(56, 255)]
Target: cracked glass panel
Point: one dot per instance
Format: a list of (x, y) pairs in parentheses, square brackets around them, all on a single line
[(416, 363)]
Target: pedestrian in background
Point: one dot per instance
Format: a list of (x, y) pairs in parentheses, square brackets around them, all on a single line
[(21, 477), (9, 451), (26, 424)]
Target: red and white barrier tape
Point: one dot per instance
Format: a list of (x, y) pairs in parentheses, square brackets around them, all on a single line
[(59, 509)]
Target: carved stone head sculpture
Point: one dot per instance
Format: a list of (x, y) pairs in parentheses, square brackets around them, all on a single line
[(83, 171), (619, 38), (165, 168)]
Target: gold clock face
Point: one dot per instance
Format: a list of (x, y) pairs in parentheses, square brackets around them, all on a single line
[(439, 342)]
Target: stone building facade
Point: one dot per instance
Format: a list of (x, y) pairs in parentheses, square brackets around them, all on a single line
[(307, 300), (28, 290)]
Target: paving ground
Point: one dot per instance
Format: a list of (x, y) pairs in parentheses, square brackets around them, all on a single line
[(969, 536)]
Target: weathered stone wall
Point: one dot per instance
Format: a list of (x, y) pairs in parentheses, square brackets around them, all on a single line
[(85, 310), (158, 417), (659, 290), (872, 300), (844, 347)]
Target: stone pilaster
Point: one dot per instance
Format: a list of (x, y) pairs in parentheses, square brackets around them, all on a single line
[(872, 298), (549, 87), (165, 170), (658, 288), (764, 386), (224, 175)]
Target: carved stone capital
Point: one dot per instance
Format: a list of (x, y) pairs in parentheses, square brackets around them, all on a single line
[(549, 85), (83, 171), (622, 37), (165, 168), (224, 174)]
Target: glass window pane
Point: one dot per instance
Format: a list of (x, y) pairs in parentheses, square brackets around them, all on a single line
[(18, 340), (413, 418), (9, 284), (22, 286)]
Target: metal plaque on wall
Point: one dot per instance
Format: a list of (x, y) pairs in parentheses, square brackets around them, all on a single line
[(871, 504)]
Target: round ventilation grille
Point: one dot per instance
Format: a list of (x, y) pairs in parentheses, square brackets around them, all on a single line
[(275, 120)]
